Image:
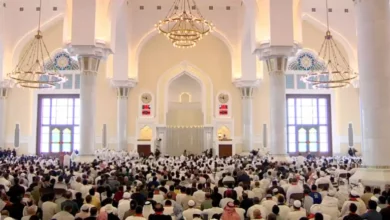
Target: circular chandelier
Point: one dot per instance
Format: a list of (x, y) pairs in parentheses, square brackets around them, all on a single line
[(337, 72), (184, 25), (31, 72)]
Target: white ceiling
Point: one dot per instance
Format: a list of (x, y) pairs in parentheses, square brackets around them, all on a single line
[(339, 20), (21, 16), (17, 23)]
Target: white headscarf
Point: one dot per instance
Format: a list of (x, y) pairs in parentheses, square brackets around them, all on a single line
[(147, 210)]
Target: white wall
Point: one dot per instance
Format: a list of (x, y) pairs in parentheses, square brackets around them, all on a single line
[(212, 56)]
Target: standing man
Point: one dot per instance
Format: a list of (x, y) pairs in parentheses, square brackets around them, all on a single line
[(67, 161)]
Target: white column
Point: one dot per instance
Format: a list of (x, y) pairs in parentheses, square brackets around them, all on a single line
[(122, 117), (89, 66), (373, 30), (3, 96), (208, 138), (161, 133), (276, 68), (123, 88), (247, 118)]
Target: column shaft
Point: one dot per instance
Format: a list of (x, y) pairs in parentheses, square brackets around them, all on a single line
[(276, 68), (5, 87), (122, 118), (161, 133), (247, 119), (2, 121), (89, 66), (87, 115), (373, 28), (207, 138)]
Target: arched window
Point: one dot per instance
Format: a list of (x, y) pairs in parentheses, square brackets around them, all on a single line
[(67, 65), (185, 97)]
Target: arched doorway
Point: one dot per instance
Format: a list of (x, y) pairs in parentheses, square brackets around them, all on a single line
[(185, 117)]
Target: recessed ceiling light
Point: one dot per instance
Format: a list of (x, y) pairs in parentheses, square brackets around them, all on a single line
[(38, 9), (313, 9), (21, 9), (330, 10), (141, 7), (55, 8), (211, 7), (158, 7), (346, 10), (228, 8)]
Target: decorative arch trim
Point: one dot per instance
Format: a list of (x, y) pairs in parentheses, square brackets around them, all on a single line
[(175, 72), (306, 60), (62, 61)]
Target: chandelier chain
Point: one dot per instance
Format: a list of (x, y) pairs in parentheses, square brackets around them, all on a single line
[(39, 17), (337, 72), (197, 9), (30, 71), (327, 15)]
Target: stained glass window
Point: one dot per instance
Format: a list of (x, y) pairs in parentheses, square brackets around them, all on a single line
[(309, 124), (58, 120)]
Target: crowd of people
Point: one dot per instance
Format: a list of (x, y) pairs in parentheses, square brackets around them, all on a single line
[(124, 186)]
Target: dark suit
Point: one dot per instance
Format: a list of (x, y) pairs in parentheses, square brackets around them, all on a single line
[(159, 217)]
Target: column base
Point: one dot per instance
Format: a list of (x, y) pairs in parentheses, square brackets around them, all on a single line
[(84, 159), (375, 177), (280, 158)]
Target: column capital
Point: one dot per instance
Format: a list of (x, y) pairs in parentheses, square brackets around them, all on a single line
[(123, 87), (89, 65), (240, 83), (265, 51), (117, 83), (246, 87), (277, 65), (100, 50)]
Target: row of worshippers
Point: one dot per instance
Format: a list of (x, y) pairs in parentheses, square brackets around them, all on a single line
[(103, 186), (7, 153)]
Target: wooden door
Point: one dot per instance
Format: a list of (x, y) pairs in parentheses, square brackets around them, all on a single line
[(225, 150), (144, 150)]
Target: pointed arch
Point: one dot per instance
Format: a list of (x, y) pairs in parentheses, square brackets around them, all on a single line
[(165, 80), (135, 53)]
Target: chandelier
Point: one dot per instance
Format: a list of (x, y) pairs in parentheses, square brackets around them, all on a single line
[(184, 25), (31, 72), (337, 72)]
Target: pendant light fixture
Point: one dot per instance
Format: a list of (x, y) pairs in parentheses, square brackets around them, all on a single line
[(31, 72), (184, 25), (337, 72)]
